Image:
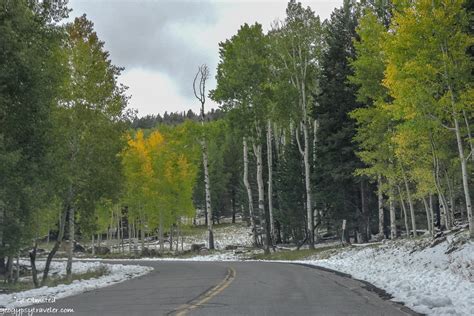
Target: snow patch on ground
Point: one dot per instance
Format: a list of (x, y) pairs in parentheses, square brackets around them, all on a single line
[(231, 235), (424, 278), (116, 273)]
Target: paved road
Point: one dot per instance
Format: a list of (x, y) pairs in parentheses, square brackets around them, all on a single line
[(232, 288)]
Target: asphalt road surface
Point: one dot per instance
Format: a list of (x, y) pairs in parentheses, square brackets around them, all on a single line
[(232, 288)]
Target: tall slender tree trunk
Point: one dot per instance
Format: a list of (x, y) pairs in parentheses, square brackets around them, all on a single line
[(34, 270), (469, 135), (307, 175), (142, 232), (171, 238), (410, 203), (365, 229), (307, 170), (432, 214), (57, 244), (249, 192), (436, 174), (462, 157), (71, 244), (129, 229), (393, 223), (10, 269), (405, 217), (17, 272), (233, 207), (428, 217), (452, 207), (93, 245), (380, 205), (208, 193), (261, 197), (465, 177), (162, 234), (270, 176)]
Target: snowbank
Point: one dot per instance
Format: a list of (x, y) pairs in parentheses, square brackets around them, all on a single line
[(231, 235), (424, 278), (116, 273)]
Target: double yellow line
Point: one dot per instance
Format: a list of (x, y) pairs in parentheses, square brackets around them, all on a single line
[(202, 299)]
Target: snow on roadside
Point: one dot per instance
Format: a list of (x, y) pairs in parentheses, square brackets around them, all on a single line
[(116, 273), (424, 278)]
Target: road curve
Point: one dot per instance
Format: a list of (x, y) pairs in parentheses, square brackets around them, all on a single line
[(232, 288)]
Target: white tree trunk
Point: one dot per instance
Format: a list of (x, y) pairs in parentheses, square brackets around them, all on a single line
[(465, 177), (207, 185), (307, 170), (432, 214), (93, 245), (162, 234), (393, 224), (405, 217), (410, 203), (261, 196), (380, 204), (249, 192), (129, 231), (142, 232), (428, 217), (270, 177)]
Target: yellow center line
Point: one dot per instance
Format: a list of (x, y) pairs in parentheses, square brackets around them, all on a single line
[(202, 299)]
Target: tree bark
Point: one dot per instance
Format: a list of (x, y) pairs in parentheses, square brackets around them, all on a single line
[(233, 207), (171, 238), (142, 232), (365, 229), (129, 230), (62, 224), (450, 213), (428, 219), (261, 197), (462, 157), (410, 203), (380, 204), (270, 176), (432, 214), (465, 177), (405, 217), (71, 245), (162, 237), (249, 192), (442, 201), (34, 271), (10, 269), (93, 245), (208, 193), (307, 169), (393, 224)]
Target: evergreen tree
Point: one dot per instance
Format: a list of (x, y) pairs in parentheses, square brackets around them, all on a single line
[(338, 191)]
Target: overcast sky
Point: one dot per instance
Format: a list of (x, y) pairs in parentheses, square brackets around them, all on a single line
[(162, 42)]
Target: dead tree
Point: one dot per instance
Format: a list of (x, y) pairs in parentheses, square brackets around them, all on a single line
[(199, 88)]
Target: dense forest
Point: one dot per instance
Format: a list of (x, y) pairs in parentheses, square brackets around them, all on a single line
[(365, 119)]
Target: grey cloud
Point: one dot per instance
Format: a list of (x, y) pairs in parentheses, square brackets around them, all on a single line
[(138, 34)]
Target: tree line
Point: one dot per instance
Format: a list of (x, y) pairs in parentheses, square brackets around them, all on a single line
[(62, 123), (368, 110)]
